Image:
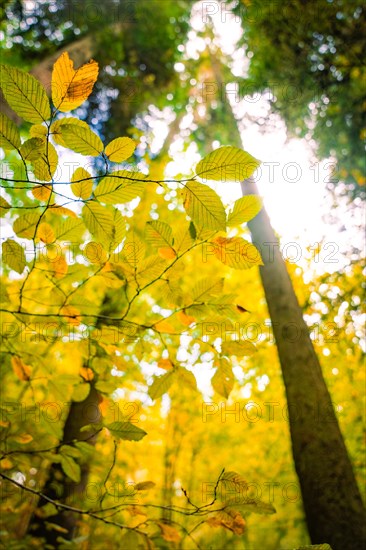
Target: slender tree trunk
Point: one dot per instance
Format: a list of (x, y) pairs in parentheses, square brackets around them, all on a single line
[(333, 506), (58, 486)]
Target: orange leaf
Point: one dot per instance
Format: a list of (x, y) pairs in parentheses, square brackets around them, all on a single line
[(70, 312), (165, 364), (24, 438), (164, 326), (169, 533), (70, 87), (86, 373), (22, 370), (167, 253), (42, 192), (185, 319), (60, 267)]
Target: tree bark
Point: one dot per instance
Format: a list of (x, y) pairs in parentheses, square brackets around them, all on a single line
[(333, 506), (58, 486)]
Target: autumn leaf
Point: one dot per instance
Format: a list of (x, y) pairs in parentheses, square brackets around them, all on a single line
[(70, 87), (21, 370), (169, 533), (236, 252)]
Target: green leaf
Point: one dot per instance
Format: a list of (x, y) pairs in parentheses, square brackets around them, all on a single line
[(223, 379), (239, 349), (81, 189), (70, 467), (251, 505), (4, 206), (25, 94), (81, 392), (25, 225), (13, 255), (204, 206), (120, 187), (144, 485), (48, 510), (227, 164), (32, 149), (81, 139), (161, 384), (131, 541), (159, 234), (126, 430), (245, 209), (120, 149), (99, 220), (9, 133)]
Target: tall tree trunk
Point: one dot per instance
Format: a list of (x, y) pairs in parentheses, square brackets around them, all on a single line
[(333, 506), (58, 486)]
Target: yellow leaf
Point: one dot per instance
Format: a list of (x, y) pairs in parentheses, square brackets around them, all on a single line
[(120, 149), (236, 252), (45, 166), (167, 253), (6, 464), (120, 187), (4, 206), (42, 192), (245, 209), (59, 267), (70, 87), (25, 225), (81, 140), (81, 189), (32, 149), (21, 370), (24, 438), (62, 211), (204, 206), (227, 164), (45, 233), (25, 94), (56, 128), (38, 131), (9, 133)]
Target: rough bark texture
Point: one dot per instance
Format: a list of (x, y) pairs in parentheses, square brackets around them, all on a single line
[(58, 486), (333, 506)]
